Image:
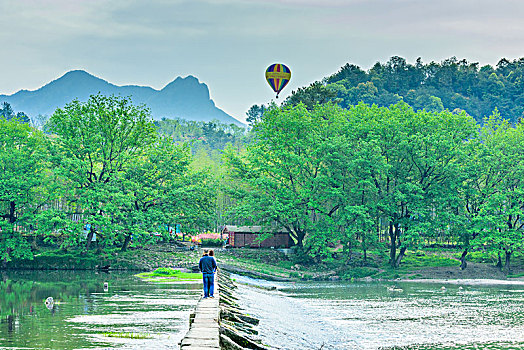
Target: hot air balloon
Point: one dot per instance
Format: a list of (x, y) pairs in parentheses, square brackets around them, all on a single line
[(277, 76)]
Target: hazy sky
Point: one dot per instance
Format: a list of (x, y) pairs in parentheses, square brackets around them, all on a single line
[(228, 44)]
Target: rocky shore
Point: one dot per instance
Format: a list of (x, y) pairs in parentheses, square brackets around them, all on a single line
[(220, 323)]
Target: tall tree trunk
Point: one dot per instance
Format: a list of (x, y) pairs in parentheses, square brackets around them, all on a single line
[(12, 217), (400, 256), (34, 243), (507, 267), (393, 246), (300, 238), (463, 263), (10, 323), (126, 242), (499, 262), (90, 237), (8, 251), (4, 260), (348, 250)]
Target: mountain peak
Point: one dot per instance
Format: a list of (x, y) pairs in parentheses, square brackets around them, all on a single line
[(185, 98), (77, 74), (184, 82)]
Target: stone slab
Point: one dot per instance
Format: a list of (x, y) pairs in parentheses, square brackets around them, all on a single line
[(201, 342), (204, 331)]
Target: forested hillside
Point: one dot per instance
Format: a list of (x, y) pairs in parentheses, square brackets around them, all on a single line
[(210, 136), (336, 169), (452, 84)]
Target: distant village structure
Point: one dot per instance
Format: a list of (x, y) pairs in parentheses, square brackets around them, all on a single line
[(249, 236)]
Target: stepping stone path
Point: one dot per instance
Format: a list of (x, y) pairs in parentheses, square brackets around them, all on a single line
[(203, 331)]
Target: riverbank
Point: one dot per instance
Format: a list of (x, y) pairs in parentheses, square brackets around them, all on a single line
[(417, 265), (271, 264), (145, 258)]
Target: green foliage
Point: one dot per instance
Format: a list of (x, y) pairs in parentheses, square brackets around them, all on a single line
[(208, 136), (316, 93), (73, 260), (493, 190), (127, 179), (456, 85), (430, 260), (254, 114), (169, 273), (165, 271), (23, 186), (331, 176), (333, 166), (105, 166), (482, 257), (358, 272), (7, 113), (285, 168), (210, 242), (517, 275)]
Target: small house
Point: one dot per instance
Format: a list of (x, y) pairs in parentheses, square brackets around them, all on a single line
[(248, 236)]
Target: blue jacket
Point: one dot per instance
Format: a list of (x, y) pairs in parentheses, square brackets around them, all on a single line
[(207, 264)]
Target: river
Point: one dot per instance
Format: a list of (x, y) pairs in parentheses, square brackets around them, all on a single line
[(336, 315), (84, 312), (306, 315)]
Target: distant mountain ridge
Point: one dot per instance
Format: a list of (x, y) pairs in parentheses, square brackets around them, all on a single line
[(185, 98)]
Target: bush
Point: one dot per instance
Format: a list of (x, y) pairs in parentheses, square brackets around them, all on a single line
[(358, 272), (210, 242), (165, 271), (418, 260), (482, 257)]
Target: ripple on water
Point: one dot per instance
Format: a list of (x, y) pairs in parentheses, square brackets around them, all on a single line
[(364, 316)]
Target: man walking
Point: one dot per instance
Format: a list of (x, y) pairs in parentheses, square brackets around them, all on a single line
[(207, 266)]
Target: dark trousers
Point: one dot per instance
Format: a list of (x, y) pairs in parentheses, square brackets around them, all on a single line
[(209, 284)]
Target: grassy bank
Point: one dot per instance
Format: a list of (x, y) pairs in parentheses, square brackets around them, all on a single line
[(143, 259), (166, 274), (270, 263), (417, 264)]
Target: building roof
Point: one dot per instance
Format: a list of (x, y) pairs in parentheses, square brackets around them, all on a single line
[(252, 229)]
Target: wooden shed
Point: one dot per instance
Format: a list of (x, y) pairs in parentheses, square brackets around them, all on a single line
[(247, 236)]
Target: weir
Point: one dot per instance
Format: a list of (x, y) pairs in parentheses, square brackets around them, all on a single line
[(204, 324), (219, 323)]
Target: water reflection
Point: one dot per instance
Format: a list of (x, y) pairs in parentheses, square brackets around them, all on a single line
[(370, 316), (84, 307)]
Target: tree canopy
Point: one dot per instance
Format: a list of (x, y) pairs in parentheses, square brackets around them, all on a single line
[(452, 84)]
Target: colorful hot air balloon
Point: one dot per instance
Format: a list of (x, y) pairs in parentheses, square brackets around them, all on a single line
[(277, 76)]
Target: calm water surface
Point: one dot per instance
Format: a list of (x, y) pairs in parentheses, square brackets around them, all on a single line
[(331, 315), (83, 311), (307, 315)]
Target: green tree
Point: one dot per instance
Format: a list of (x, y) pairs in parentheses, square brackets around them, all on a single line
[(161, 189), (22, 176), (254, 114), (100, 141), (416, 175), (286, 177), (7, 111), (499, 189), (316, 93)]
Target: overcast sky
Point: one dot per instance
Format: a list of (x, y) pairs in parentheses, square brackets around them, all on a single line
[(227, 44)]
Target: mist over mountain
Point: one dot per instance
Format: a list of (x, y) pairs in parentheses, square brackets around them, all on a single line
[(185, 98)]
